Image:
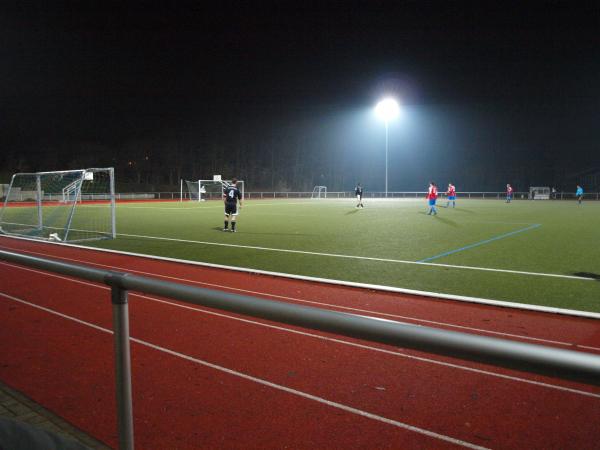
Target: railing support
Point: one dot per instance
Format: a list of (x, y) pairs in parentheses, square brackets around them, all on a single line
[(120, 308)]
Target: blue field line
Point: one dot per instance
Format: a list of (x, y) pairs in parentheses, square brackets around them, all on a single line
[(477, 244)]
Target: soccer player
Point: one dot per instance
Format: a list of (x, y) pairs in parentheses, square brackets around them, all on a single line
[(359, 192), (579, 194), (509, 193), (431, 198), (231, 195), (451, 193)]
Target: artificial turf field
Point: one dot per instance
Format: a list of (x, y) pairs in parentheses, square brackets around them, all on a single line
[(540, 252)]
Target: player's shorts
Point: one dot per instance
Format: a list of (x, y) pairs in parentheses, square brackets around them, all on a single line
[(231, 208), (452, 197), (432, 202), (509, 197), (359, 197)]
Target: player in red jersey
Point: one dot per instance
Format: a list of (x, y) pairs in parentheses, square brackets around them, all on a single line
[(509, 193), (451, 193), (431, 198)]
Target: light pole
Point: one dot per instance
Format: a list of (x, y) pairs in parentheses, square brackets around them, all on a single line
[(387, 109)]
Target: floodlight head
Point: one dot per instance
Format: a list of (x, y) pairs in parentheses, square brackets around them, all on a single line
[(387, 109)]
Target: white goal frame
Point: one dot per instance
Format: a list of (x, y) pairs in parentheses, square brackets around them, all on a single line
[(41, 218), (319, 192), (202, 189)]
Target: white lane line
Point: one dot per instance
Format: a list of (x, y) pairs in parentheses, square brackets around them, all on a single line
[(263, 382), (325, 338), (589, 348), (377, 287), (312, 302), (364, 258)]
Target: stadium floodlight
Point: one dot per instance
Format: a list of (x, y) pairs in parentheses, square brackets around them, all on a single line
[(387, 110)]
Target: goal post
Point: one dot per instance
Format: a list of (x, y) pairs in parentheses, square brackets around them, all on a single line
[(70, 205), (190, 190), (213, 189), (319, 192)]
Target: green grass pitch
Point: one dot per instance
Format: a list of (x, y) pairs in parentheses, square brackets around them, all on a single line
[(380, 243)]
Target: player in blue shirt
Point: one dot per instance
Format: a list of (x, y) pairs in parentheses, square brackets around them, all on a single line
[(231, 195), (579, 194)]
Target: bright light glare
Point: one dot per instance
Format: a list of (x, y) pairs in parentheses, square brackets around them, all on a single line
[(387, 109)]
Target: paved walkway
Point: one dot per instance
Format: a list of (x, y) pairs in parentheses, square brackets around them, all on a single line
[(15, 405)]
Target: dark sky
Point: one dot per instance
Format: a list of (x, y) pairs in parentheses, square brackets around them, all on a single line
[(109, 73)]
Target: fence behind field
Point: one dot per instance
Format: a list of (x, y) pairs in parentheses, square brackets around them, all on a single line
[(25, 196), (567, 364)]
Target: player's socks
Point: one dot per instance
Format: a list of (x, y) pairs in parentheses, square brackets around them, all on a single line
[(225, 225), (233, 226)]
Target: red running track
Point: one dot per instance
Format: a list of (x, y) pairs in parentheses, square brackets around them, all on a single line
[(207, 379)]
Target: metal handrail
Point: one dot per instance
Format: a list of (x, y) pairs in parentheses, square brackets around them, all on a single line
[(566, 364)]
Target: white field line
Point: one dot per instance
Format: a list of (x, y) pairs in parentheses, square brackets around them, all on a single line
[(365, 258), (325, 338), (341, 202), (200, 208), (383, 288), (300, 300), (263, 382)]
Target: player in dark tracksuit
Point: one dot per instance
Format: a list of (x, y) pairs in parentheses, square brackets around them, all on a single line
[(231, 195), (359, 193)]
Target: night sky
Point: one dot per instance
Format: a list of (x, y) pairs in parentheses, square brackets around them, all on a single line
[(495, 86)]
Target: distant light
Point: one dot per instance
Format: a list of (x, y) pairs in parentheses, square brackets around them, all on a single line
[(387, 109)]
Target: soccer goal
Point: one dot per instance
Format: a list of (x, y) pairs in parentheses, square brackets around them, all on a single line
[(319, 192), (70, 205), (190, 190), (539, 193), (202, 190)]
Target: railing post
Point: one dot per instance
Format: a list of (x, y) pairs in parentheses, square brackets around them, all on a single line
[(120, 309)]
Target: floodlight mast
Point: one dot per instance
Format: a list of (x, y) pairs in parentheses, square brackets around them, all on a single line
[(387, 109)]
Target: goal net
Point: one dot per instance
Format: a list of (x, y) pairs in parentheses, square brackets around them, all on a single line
[(319, 192), (70, 205), (539, 193), (207, 189), (191, 191)]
